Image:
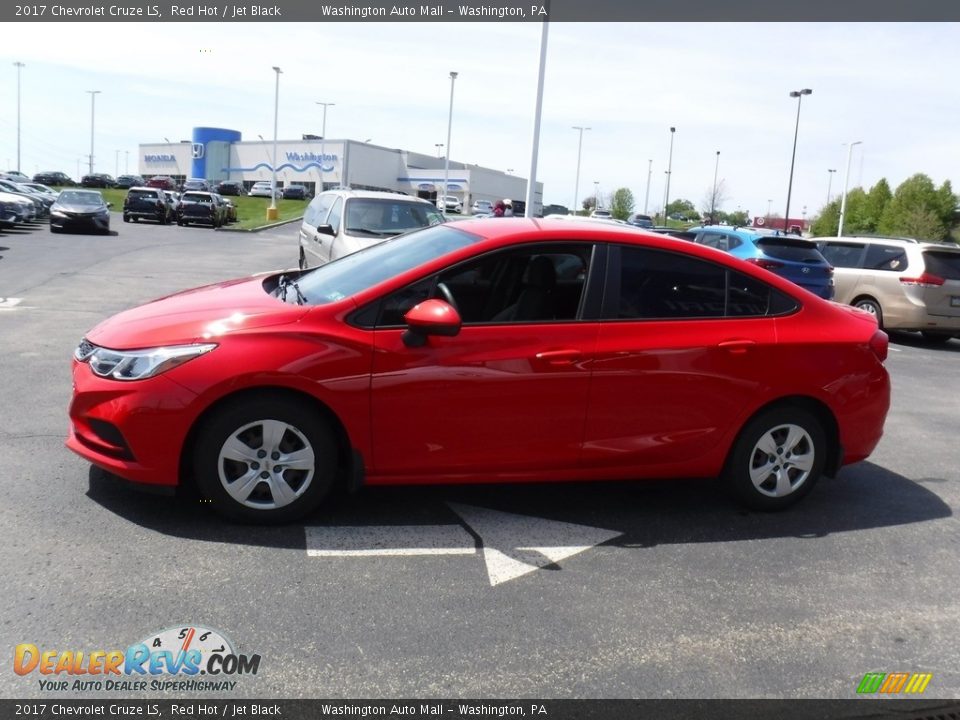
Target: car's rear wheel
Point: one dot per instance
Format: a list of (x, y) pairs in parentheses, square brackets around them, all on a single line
[(871, 306), (777, 458), (266, 460), (126, 218), (303, 260)]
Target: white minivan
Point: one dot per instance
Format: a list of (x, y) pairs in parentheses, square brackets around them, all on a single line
[(339, 222)]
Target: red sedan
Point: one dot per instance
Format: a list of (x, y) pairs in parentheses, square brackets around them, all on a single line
[(484, 351)]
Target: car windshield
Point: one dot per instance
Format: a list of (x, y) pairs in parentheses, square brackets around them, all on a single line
[(368, 217), (364, 269), (80, 198)]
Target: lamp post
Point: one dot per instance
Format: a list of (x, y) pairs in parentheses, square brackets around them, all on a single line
[(576, 185), (666, 195), (116, 169), (596, 194), (93, 99), (272, 213), (126, 161), (323, 139), (769, 205), (646, 197), (18, 65), (439, 147), (713, 198), (846, 179), (798, 94), (446, 160), (529, 209), (176, 163), (829, 182)]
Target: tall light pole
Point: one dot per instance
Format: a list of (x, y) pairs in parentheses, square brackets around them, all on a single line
[(576, 184), (713, 198), (126, 161), (829, 182), (446, 160), (439, 147), (535, 144), (323, 139), (798, 94), (666, 196), (846, 179), (272, 213), (93, 100), (18, 65), (769, 205), (116, 158), (646, 197), (176, 163), (596, 194)]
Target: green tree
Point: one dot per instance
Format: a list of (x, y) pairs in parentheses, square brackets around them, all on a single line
[(877, 200), (918, 209), (589, 203), (682, 207), (828, 221), (856, 220), (622, 204)]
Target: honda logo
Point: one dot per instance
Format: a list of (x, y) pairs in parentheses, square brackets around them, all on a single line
[(197, 151)]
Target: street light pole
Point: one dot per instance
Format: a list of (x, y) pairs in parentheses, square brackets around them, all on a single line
[(323, 140), (126, 161), (713, 198), (576, 185), (529, 210), (446, 161), (666, 196), (438, 146), (18, 65), (646, 197), (116, 169), (846, 179), (596, 194), (829, 182), (93, 99), (798, 94), (272, 213)]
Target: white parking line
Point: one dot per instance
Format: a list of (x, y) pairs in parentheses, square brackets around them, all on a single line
[(389, 541), (9, 303)]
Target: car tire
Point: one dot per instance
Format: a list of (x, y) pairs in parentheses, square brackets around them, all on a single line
[(933, 338), (54, 229), (136, 219), (239, 443), (303, 260), (126, 218), (777, 458), (868, 304)]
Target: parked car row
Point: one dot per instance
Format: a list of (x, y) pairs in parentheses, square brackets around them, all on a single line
[(39, 198), (167, 206)]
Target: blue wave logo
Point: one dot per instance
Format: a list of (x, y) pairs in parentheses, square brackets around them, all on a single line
[(291, 166)]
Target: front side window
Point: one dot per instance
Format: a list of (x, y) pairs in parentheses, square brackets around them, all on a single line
[(842, 255), (531, 284), (317, 210), (333, 219)]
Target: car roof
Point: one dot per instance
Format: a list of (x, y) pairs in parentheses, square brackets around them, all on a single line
[(375, 194)]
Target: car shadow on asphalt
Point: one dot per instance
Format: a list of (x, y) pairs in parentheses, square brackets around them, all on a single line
[(917, 340), (646, 513)]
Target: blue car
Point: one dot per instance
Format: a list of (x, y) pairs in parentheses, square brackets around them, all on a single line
[(788, 256)]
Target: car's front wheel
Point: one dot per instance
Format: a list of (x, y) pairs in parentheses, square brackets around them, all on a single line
[(777, 458), (871, 306), (266, 460)]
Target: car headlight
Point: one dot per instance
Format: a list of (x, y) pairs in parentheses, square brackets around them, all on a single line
[(137, 364), (58, 213)]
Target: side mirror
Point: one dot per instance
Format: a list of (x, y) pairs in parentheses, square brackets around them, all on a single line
[(326, 230), (431, 317), (109, 205)]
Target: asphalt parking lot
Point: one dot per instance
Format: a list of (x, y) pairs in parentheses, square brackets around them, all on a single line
[(626, 590)]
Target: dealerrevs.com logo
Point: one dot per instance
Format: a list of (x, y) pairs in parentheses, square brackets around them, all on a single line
[(178, 659)]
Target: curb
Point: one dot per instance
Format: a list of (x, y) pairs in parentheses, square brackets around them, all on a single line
[(262, 227)]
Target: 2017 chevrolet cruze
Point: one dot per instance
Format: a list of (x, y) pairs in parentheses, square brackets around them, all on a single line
[(480, 351)]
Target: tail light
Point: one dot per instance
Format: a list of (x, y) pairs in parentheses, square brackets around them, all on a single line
[(880, 345), (926, 280), (765, 264)]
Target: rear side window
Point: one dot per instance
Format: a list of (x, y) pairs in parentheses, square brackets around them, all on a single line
[(720, 241), (843, 255), (885, 257), (662, 285), (787, 249), (944, 264)]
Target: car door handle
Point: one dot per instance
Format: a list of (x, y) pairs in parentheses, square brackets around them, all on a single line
[(559, 357), (737, 347)]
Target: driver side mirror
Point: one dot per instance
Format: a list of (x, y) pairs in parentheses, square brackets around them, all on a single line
[(431, 317), (326, 230)]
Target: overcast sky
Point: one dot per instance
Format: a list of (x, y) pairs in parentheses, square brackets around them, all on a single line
[(723, 86)]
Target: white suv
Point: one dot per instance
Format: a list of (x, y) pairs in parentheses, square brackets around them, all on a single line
[(339, 222), (451, 204), (262, 189), (904, 283)]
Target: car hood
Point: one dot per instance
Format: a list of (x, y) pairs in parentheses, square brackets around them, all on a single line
[(200, 314), (78, 208)]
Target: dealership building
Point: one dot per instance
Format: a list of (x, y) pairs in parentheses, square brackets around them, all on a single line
[(219, 154)]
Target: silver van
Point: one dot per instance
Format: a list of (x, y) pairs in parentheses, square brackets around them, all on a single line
[(907, 284), (339, 222)]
